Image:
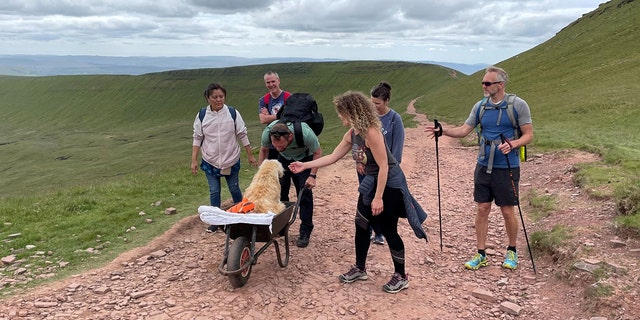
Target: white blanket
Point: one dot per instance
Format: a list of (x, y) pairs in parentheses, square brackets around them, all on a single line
[(216, 216)]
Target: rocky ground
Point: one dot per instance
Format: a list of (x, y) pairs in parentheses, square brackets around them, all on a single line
[(176, 276)]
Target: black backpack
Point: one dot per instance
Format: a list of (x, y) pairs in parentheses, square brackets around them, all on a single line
[(301, 107)]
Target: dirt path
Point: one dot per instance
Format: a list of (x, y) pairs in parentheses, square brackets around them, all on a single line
[(176, 276)]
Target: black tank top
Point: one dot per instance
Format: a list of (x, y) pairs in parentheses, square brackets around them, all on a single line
[(364, 158)]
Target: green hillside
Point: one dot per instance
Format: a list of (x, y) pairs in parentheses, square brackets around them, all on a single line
[(64, 130), (582, 88)]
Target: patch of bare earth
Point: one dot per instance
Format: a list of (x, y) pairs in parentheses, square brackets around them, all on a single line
[(176, 276)]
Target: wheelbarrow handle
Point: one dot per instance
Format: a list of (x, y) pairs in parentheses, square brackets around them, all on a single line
[(297, 206)]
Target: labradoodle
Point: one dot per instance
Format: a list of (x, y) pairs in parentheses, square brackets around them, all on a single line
[(264, 190)]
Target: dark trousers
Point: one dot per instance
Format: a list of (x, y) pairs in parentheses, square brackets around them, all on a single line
[(285, 181), (374, 227), (387, 221), (306, 199)]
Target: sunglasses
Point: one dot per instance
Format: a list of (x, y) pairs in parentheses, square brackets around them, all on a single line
[(487, 83), (279, 133)]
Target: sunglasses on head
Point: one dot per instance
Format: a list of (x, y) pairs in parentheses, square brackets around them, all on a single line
[(279, 133), (487, 83)]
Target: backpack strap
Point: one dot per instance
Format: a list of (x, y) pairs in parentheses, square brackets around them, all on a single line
[(297, 133), (201, 114), (233, 113), (511, 113), (267, 97)]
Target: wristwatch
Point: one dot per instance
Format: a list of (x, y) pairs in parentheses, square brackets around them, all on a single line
[(313, 175)]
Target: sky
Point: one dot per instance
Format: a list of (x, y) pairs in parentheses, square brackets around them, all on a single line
[(458, 31)]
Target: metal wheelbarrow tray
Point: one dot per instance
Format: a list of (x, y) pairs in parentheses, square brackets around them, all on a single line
[(241, 253)]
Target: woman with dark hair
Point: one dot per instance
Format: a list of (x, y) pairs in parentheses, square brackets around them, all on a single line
[(392, 130), (383, 192), (216, 136)]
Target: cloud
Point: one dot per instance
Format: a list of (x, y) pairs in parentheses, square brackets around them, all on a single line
[(363, 29)]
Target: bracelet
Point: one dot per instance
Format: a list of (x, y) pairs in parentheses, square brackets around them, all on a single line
[(313, 175)]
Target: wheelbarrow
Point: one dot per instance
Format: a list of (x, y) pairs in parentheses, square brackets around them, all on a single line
[(241, 254)]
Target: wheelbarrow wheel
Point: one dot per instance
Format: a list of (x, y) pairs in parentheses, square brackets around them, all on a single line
[(239, 255)]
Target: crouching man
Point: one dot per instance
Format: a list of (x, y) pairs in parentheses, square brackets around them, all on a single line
[(282, 137)]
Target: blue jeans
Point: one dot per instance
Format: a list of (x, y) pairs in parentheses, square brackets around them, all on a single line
[(213, 178)]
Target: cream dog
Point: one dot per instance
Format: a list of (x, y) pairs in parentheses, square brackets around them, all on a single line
[(264, 190)]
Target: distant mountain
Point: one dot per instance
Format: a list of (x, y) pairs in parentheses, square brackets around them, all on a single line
[(467, 69), (50, 65)]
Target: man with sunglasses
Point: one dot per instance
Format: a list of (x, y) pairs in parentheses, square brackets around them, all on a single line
[(494, 173), (280, 135)]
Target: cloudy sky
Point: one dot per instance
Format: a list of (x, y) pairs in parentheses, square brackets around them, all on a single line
[(460, 31)]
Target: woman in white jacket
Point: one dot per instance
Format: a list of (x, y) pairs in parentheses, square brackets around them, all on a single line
[(217, 131)]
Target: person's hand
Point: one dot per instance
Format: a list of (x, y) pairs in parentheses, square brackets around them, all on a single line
[(194, 167), (434, 131), (264, 110), (310, 183), (376, 206), (505, 148), (297, 167), (253, 161)]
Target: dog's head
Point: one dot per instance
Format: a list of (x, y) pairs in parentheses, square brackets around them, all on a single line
[(273, 166)]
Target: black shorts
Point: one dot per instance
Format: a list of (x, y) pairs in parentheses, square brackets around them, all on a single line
[(498, 186)]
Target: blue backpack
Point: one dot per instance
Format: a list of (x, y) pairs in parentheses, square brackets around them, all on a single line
[(511, 113)]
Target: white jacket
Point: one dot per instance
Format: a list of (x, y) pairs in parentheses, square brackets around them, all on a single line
[(218, 137)]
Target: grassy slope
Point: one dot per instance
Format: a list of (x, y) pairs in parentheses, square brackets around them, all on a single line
[(126, 141), (108, 126), (582, 88)]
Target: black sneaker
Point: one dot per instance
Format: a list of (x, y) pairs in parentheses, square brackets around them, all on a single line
[(213, 229), (303, 240)]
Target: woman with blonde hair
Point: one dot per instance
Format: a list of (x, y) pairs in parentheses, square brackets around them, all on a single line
[(383, 192)]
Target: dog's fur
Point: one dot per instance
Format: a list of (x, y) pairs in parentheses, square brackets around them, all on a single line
[(264, 190)]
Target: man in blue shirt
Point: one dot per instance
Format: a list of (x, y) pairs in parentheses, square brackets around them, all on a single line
[(492, 179)]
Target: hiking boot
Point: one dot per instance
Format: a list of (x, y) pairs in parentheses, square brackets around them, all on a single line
[(213, 229), (476, 262), (510, 260), (396, 283), (353, 274), (303, 240), (378, 239)]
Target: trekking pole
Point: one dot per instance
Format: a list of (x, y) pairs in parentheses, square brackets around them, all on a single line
[(437, 125), (515, 193)]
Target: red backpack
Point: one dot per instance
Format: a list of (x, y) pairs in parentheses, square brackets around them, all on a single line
[(267, 97)]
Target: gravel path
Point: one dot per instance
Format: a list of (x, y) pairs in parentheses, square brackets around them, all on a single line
[(176, 276)]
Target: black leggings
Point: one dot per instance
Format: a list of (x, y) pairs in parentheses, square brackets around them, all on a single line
[(387, 221)]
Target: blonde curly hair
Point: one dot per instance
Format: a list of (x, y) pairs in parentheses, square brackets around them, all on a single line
[(357, 108)]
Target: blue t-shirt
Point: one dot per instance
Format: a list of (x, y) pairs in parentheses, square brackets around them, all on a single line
[(495, 121), (274, 104)]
